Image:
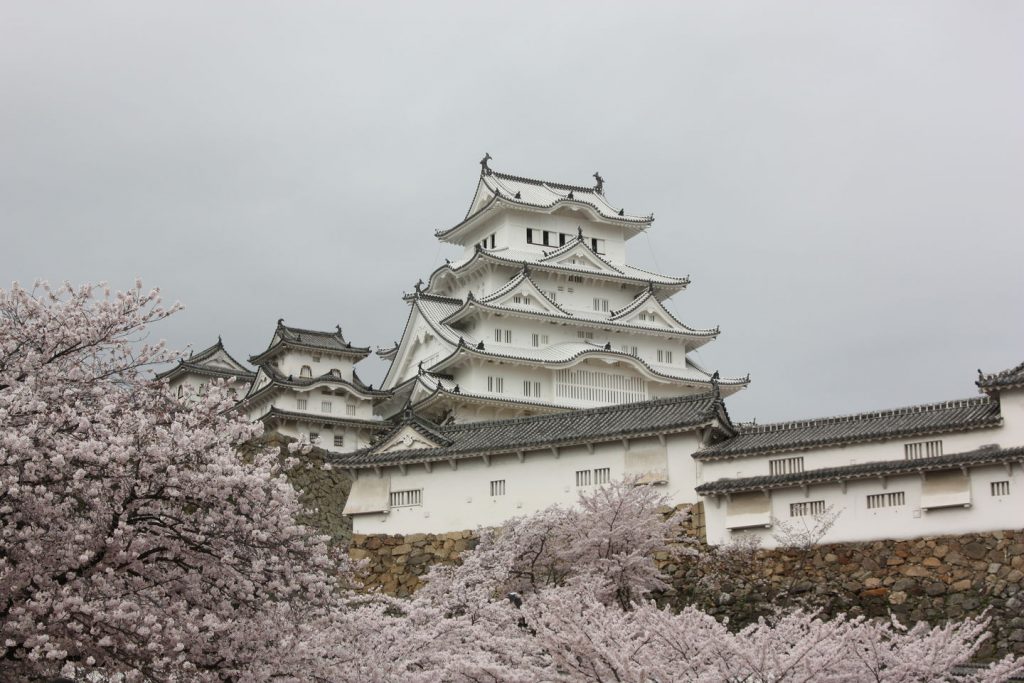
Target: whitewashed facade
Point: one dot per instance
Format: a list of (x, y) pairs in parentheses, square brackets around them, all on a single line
[(944, 468), (306, 387), (541, 313)]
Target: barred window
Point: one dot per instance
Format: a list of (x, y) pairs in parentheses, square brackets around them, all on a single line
[(408, 498), (317, 357), (664, 356), (922, 449), (1000, 488), (583, 334), (325, 406), (531, 388), (498, 487), (786, 465), (576, 278), (496, 385), (629, 348), (314, 437), (806, 508), (887, 500), (339, 439), (350, 409), (583, 478), (306, 371), (600, 304), (602, 475), (301, 403), (539, 339)]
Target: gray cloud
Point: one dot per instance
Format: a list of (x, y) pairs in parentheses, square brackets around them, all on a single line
[(841, 180)]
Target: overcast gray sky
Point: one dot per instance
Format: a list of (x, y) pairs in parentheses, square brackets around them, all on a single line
[(842, 181)]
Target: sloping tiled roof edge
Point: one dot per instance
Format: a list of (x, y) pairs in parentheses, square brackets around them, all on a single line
[(541, 431), (867, 470), (934, 418)]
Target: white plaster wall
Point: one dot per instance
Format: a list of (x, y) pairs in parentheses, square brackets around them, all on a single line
[(460, 499), (509, 228), (858, 523), (837, 456), (291, 362), (1011, 405)]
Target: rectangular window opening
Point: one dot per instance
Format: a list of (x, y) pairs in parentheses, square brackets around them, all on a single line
[(806, 508), (1000, 488), (498, 487), (408, 498)]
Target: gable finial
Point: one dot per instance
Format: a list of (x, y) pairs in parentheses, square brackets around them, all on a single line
[(571, 195), (714, 386), (280, 322), (650, 286), (219, 342), (622, 212), (419, 286), (484, 168), (599, 187), (579, 233)]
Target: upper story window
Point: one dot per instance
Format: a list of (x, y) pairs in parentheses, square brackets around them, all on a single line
[(325, 406), (597, 245), (629, 348), (531, 388), (301, 403), (1000, 488), (922, 449), (786, 465), (306, 371), (583, 334), (600, 304), (496, 384), (664, 356), (503, 335), (498, 487), (350, 409), (339, 439), (538, 339), (578, 279), (317, 357)]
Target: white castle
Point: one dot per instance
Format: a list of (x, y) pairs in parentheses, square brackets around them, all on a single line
[(539, 363)]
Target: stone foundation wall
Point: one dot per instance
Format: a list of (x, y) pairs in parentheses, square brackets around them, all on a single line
[(928, 579)]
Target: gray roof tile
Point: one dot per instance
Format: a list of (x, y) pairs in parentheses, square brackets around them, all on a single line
[(867, 470), (561, 429), (1007, 379), (972, 413)]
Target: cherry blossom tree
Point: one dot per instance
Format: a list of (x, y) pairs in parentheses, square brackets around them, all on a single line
[(138, 544), (133, 538)]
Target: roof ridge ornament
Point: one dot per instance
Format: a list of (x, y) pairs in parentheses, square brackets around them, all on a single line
[(599, 186), (579, 233), (484, 168), (571, 195)]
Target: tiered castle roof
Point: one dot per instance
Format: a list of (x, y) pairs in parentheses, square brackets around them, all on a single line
[(213, 362)]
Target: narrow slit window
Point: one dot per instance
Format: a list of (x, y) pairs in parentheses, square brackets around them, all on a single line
[(1000, 488)]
